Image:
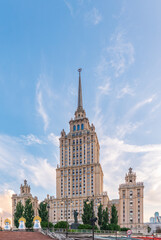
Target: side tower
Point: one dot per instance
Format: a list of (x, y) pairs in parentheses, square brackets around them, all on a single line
[(22, 197), (131, 195)]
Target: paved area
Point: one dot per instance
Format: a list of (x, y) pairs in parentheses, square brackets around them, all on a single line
[(23, 236)]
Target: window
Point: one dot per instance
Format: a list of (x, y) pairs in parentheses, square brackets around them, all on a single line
[(131, 193), (78, 127), (74, 128), (82, 126)]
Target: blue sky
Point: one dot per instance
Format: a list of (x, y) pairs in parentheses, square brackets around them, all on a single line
[(117, 44)]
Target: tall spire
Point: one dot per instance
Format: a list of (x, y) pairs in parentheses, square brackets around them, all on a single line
[(80, 100)]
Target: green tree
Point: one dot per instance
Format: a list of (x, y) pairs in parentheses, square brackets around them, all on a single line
[(43, 212), (114, 217), (87, 212), (18, 213), (28, 213), (100, 215), (61, 224), (105, 216), (104, 225)]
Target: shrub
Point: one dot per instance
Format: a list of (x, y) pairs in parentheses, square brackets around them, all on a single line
[(61, 224), (124, 229), (87, 226), (45, 225), (110, 227)]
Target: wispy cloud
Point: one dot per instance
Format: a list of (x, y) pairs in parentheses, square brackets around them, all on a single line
[(125, 91), (121, 53), (41, 173), (31, 139), (127, 128), (140, 105), (105, 88), (22, 164), (93, 16), (54, 139), (156, 107), (69, 6), (40, 106)]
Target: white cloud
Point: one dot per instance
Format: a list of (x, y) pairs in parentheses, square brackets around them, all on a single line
[(105, 88), (41, 173), (156, 107), (140, 105), (93, 16), (121, 53), (40, 106), (6, 204), (31, 139), (127, 128), (54, 139), (125, 91), (22, 164), (117, 156)]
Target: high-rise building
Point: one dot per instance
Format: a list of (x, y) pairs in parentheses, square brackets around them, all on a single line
[(131, 195), (79, 175), (22, 197)]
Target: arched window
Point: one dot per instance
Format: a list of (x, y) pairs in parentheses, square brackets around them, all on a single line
[(82, 126), (74, 128), (78, 127)]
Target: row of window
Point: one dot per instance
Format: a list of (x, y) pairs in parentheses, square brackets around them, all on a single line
[(78, 127), (77, 141), (77, 171)]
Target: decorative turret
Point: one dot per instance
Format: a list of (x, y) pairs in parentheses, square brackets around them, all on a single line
[(25, 189), (130, 177)]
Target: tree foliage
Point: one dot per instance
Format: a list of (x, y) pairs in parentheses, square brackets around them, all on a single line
[(100, 215), (87, 212), (105, 216), (43, 212), (18, 213), (28, 213), (45, 225), (61, 224), (114, 217), (104, 219)]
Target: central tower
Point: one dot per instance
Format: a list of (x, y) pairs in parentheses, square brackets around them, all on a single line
[(80, 173)]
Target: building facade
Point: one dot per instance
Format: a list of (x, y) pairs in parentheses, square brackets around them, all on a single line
[(131, 195), (22, 197), (79, 175)]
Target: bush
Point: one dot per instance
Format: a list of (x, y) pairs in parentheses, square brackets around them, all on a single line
[(110, 227), (124, 229), (45, 225), (61, 224), (84, 226), (87, 226)]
